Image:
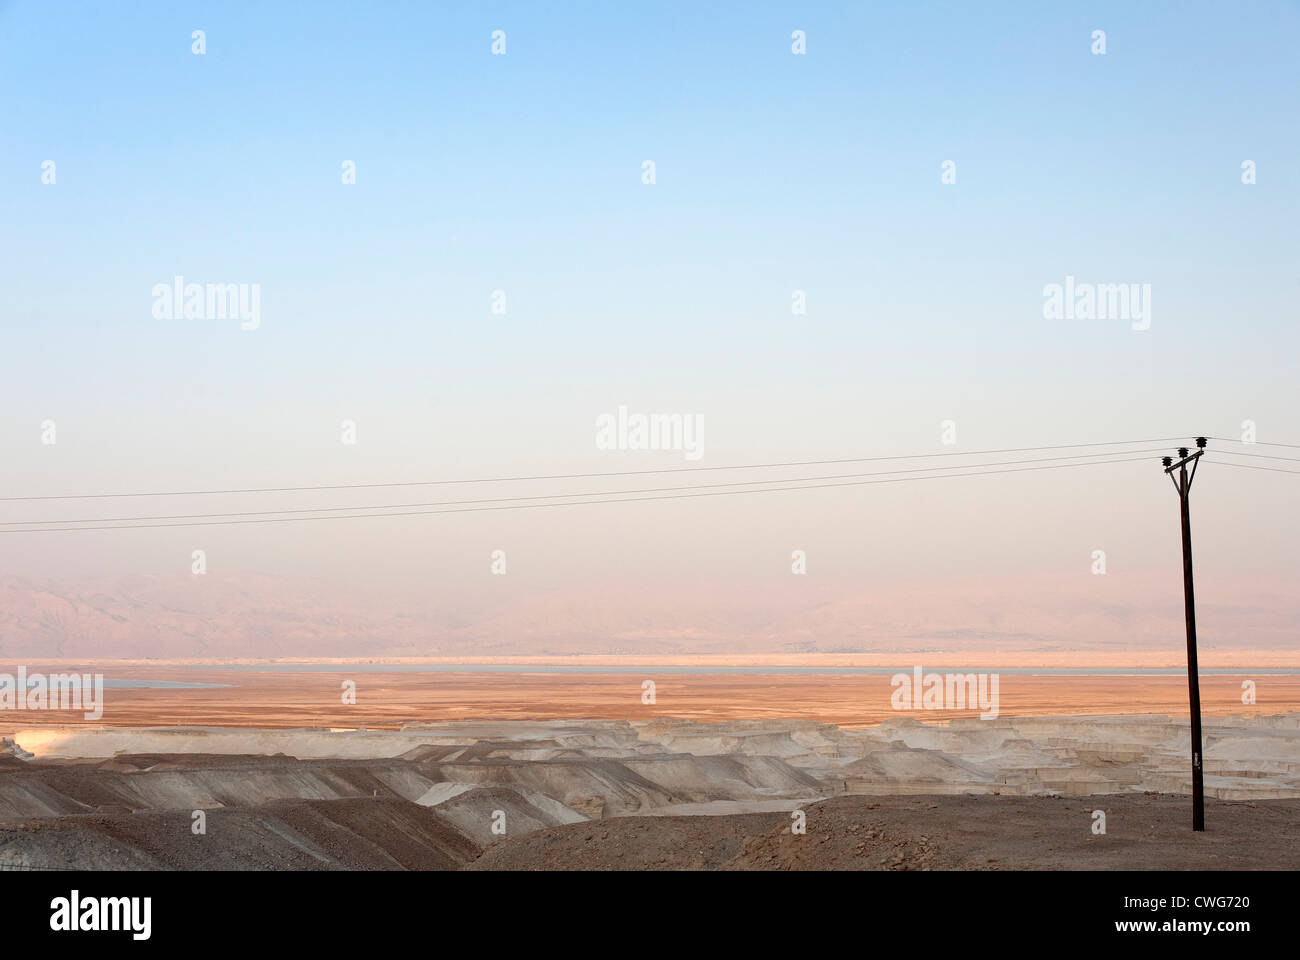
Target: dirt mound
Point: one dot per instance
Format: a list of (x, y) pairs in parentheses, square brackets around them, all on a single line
[(474, 812), (148, 782), (593, 787), (365, 834), (133, 762), (701, 778)]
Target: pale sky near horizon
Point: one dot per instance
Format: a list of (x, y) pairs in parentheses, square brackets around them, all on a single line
[(522, 172)]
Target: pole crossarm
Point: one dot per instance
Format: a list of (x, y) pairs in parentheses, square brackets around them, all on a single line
[(1188, 459)]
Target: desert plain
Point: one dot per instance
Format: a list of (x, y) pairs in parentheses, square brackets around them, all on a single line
[(522, 764)]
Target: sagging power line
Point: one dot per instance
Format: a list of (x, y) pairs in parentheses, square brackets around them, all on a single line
[(1252, 466), (579, 476), (1251, 443), (570, 503), (590, 497), (553, 496)]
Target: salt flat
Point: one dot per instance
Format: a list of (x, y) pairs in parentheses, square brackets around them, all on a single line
[(271, 696)]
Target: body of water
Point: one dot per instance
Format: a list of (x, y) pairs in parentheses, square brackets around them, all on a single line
[(705, 669)]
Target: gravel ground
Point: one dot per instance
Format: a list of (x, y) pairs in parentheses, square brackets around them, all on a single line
[(1143, 832)]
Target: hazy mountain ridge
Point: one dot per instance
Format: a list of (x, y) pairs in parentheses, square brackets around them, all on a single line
[(257, 615)]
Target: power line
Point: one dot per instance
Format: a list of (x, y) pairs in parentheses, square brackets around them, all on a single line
[(1251, 443), (576, 503), (581, 476), (1261, 456), (551, 496), (1243, 466)]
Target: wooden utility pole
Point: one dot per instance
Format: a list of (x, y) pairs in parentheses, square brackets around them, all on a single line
[(1183, 484)]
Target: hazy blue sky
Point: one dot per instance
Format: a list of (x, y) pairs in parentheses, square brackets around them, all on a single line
[(774, 173)]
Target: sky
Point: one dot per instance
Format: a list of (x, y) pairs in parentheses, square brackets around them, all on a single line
[(523, 172)]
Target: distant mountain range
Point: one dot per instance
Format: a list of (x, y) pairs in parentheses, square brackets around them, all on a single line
[(258, 615)]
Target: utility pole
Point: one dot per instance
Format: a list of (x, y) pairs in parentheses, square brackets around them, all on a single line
[(1183, 484)]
